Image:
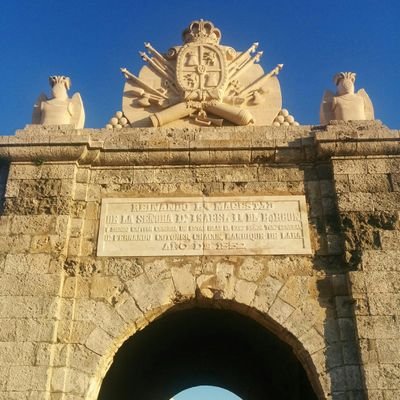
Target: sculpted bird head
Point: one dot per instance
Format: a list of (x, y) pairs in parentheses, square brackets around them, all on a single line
[(60, 85), (344, 82)]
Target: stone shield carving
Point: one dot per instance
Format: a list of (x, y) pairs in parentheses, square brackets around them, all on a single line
[(201, 71), (201, 83)]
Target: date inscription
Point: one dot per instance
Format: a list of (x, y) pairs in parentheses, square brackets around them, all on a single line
[(204, 226)]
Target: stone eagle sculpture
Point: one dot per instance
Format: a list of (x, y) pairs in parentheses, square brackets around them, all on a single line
[(59, 109), (346, 105), (201, 83)]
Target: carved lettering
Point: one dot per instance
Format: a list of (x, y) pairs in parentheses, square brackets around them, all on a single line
[(196, 226)]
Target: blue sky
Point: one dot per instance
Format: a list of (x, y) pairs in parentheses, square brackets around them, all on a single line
[(206, 393), (90, 40)]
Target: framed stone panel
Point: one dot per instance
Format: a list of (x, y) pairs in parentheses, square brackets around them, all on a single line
[(172, 226)]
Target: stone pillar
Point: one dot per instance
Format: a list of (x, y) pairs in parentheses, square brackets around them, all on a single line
[(34, 242), (366, 167)]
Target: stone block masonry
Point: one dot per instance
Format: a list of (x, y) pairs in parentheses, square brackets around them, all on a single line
[(65, 311)]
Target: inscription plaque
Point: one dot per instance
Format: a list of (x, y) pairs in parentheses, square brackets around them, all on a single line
[(204, 226)]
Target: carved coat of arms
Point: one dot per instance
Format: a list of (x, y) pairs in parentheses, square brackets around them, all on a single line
[(202, 83), (201, 71)]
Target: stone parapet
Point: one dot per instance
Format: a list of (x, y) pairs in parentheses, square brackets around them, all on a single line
[(173, 146)]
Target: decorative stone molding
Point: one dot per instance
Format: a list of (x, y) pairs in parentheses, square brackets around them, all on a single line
[(118, 121), (285, 119), (201, 83), (199, 146)]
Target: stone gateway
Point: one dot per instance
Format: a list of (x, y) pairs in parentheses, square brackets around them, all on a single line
[(141, 261)]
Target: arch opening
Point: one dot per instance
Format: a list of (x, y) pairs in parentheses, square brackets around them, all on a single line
[(205, 346)]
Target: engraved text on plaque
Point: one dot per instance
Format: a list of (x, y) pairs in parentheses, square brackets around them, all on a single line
[(196, 226)]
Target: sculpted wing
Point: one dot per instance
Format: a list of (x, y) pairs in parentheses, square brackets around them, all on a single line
[(368, 106), (326, 112), (37, 109), (78, 115)]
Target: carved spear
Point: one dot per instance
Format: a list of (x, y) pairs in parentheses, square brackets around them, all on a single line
[(259, 83), (247, 64), (145, 86), (157, 68), (243, 57), (158, 56)]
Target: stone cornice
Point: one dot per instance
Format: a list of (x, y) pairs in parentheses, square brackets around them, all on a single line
[(228, 145), (368, 138)]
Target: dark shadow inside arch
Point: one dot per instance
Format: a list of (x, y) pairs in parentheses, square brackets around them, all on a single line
[(201, 346)]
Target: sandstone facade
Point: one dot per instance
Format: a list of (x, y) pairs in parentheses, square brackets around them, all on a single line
[(65, 311)]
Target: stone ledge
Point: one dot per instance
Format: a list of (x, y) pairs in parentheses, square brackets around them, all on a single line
[(356, 138), (227, 145)]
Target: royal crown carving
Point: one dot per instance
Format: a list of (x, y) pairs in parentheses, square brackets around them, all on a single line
[(201, 83), (202, 32)]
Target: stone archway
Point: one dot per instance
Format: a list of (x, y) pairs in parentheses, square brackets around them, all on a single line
[(203, 345)]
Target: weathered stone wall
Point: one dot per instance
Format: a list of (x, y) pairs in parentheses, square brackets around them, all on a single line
[(366, 165), (65, 311), (369, 203)]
